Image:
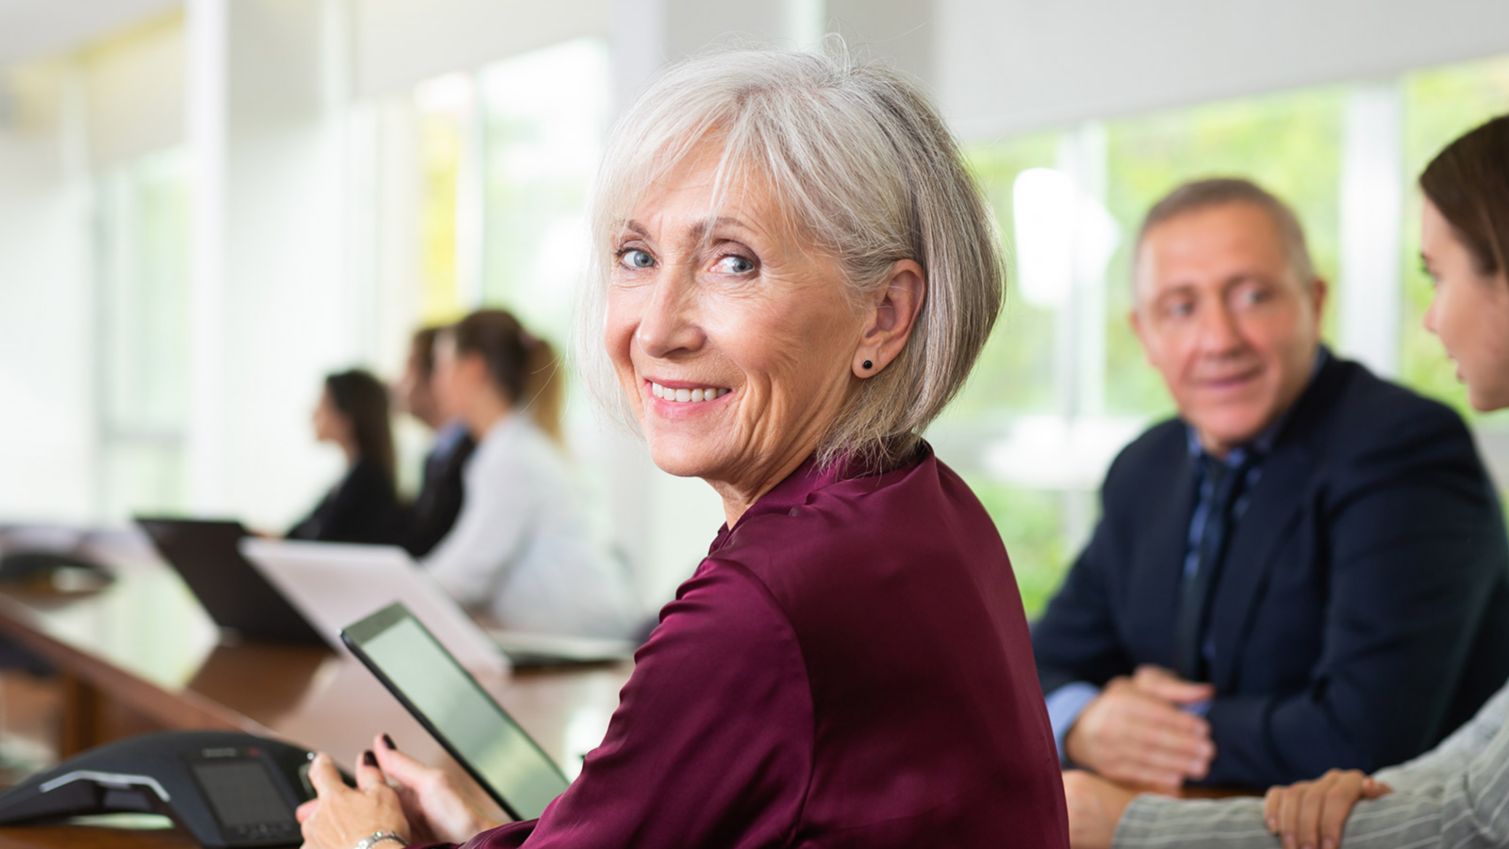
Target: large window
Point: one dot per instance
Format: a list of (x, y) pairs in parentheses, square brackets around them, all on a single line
[(540, 151), (142, 323), (506, 167)]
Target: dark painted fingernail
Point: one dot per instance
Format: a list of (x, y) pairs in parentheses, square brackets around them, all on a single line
[(368, 758), (388, 741)]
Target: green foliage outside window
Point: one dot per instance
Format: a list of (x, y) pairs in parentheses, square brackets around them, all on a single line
[(1031, 524), (1015, 372)]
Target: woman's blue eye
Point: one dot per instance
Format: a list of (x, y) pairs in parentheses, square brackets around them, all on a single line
[(635, 258), (735, 264)]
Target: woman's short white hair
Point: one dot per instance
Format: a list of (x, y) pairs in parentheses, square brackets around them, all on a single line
[(863, 167)]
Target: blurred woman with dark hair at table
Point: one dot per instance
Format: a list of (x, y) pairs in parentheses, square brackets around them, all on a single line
[(362, 507)]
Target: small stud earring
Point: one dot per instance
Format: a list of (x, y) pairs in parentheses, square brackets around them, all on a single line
[(867, 365)]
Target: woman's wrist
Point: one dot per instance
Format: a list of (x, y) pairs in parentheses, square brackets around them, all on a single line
[(380, 840)]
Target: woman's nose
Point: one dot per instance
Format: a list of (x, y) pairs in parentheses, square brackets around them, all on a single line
[(669, 324)]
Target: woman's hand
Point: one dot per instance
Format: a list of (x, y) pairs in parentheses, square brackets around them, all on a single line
[(1310, 814), (343, 816), (437, 809), (1095, 808)]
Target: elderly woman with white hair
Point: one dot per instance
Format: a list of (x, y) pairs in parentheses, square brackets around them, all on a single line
[(796, 275)]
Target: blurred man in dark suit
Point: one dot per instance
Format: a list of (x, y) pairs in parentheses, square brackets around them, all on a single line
[(435, 508), (1306, 569)]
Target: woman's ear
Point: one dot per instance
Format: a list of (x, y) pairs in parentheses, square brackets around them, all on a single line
[(890, 316)]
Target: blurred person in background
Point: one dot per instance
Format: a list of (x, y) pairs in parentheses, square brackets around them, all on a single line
[(1456, 795), (434, 510), (353, 414), (524, 551), (1302, 545)]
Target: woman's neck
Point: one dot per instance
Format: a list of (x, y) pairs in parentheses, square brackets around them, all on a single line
[(739, 495), (485, 413)]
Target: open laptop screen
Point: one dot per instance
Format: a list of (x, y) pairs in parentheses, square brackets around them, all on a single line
[(453, 707), (237, 596)]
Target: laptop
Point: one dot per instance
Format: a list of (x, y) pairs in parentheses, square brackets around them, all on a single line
[(336, 583), (429, 682), (233, 592)]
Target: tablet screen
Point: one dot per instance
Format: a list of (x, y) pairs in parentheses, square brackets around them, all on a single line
[(453, 707)]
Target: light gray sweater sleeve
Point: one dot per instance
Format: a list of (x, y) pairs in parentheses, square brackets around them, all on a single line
[(1456, 797), (1189, 823), (1446, 760)]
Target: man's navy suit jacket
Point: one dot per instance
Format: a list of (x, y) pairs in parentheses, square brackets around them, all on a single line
[(1362, 612)]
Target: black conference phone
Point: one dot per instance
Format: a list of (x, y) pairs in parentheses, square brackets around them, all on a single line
[(227, 789)]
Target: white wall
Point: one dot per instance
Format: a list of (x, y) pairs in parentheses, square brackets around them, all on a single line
[(1004, 66), (398, 43), (135, 93), (33, 29), (900, 32)]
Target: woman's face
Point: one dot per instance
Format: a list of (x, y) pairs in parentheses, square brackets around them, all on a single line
[(330, 424), (1469, 312), (732, 337)]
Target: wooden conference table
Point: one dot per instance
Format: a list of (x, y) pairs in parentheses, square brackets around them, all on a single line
[(140, 655)]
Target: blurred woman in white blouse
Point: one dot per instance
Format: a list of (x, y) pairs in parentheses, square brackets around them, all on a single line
[(523, 551)]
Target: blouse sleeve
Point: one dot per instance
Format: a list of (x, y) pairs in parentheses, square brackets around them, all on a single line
[(711, 745)]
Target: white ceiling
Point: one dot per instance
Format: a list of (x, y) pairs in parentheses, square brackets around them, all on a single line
[(31, 29)]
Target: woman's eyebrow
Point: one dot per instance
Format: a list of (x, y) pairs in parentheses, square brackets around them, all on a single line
[(697, 233)]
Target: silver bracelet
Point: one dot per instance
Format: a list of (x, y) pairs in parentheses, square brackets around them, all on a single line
[(377, 837)]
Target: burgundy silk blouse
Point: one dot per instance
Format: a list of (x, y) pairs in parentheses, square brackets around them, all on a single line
[(849, 667)]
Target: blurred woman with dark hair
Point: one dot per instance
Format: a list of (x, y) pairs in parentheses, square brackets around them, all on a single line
[(353, 413), (523, 551)]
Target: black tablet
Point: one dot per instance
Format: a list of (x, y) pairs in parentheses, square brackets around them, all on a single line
[(454, 708)]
